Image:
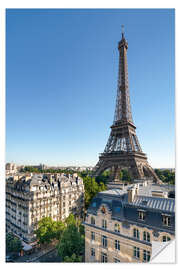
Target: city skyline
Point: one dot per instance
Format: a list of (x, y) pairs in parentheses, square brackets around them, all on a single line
[(61, 88)]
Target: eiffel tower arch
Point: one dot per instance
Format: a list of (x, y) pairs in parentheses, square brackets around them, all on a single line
[(123, 149)]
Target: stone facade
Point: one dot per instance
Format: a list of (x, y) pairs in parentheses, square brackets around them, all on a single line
[(120, 226), (32, 197), (11, 168)]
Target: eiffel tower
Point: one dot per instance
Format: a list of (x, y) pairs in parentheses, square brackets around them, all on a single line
[(123, 149)]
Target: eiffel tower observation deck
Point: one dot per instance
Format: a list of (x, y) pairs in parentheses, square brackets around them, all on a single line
[(123, 150)]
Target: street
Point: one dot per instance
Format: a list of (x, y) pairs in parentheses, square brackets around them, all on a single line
[(51, 256)]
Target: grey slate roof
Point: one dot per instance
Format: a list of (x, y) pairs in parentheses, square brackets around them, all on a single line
[(155, 203), (117, 201), (143, 190)]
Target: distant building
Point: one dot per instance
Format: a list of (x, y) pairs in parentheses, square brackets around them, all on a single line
[(167, 169), (122, 223), (30, 198), (40, 166), (11, 168)]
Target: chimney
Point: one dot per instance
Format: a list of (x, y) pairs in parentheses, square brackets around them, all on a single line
[(159, 193), (136, 189), (131, 194), (27, 177), (145, 183), (16, 177)]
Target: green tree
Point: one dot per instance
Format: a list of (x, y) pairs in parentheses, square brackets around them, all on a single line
[(162, 178), (101, 187), (126, 176), (81, 229), (48, 230), (91, 188), (73, 258), (58, 228), (104, 177), (13, 244), (72, 242), (45, 232), (166, 176), (120, 175), (70, 220)]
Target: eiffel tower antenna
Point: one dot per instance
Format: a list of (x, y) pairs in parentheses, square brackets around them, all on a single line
[(122, 30), (123, 149)]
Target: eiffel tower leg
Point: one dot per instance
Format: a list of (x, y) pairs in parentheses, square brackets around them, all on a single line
[(145, 171), (135, 171), (113, 172), (117, 174), (101, 166), (153, 175)]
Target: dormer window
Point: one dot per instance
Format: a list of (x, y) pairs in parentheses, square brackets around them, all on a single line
[(104, 224), (141, 215), (92, 220), (166, 220), (117, 227)]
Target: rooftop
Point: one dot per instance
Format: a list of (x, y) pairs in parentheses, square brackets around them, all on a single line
[(144, 190), (47, 181), (146, 195)]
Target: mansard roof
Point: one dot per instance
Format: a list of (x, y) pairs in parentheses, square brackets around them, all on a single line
[(162, 204), (40, 180), (121, 209)]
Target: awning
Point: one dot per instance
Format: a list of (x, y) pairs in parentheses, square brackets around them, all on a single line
[(26, 247)]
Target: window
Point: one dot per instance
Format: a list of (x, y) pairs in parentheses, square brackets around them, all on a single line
[(117, 244), (104, 224), (146, 236), (93, 220), (166, 220), (136, 252), (141, 215), (92, 235), (117, 227), (93, 252), (146, 256), (166, 238), (104, 241), (103, 257), (136, 233), (116, 260)]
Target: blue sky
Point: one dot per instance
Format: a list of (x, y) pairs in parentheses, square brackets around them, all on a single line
[(61, 83)]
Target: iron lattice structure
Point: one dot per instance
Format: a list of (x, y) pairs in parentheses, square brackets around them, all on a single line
[(123, 149)]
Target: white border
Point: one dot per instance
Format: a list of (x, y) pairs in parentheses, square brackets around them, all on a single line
[(76, 4)]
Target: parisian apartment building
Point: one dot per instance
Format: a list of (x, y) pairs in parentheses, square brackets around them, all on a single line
[(121, 224), (29, 198), (11, 168)]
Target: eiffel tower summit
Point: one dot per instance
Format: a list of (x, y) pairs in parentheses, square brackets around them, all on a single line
[(123, 150)]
